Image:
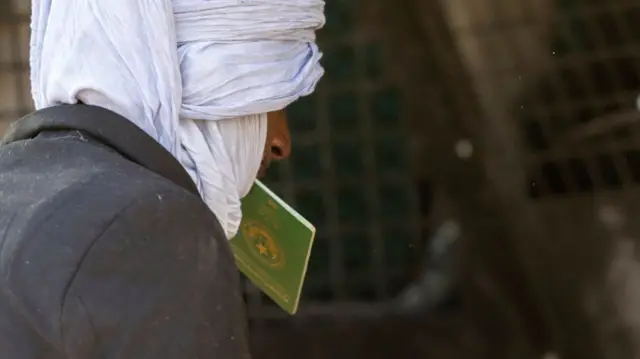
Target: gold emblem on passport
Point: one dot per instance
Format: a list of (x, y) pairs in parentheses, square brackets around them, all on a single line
[(262, 245)]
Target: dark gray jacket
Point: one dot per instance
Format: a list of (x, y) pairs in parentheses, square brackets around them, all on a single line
[(106, 250)]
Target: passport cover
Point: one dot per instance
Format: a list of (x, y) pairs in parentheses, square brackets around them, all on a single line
[(273, 246)]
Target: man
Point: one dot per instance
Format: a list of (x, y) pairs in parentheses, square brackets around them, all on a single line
[(106, 249), (120, 193)]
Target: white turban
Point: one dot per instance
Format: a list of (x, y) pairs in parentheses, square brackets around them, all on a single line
[(199, 76)]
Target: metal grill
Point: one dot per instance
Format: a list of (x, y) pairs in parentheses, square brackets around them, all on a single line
[(568, 72), (580, 117), (350, 174)]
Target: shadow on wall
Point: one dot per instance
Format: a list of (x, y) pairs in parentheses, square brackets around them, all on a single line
[(441, 338), (504, 44)]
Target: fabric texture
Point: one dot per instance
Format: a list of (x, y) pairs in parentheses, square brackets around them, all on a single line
[(103, 257), (199, 76)]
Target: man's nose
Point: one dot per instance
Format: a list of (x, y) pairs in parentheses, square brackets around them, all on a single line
[(278, 136), (280, 147)]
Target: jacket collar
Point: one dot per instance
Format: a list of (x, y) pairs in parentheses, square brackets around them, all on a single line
[(108, 128)]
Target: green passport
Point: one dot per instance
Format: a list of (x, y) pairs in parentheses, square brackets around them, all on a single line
[(273, 246)]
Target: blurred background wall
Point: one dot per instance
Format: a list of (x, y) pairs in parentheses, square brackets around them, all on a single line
[(472, 169), (15, 96)]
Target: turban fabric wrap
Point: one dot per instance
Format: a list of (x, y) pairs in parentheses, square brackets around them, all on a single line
[(199, 76)]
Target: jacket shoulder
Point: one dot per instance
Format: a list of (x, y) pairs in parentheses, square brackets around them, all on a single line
[(162, 271), (45, 240)]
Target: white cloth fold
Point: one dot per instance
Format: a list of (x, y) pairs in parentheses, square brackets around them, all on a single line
[(197, 75)]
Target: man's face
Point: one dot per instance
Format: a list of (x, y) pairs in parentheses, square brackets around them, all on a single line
[(278, 144)]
